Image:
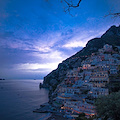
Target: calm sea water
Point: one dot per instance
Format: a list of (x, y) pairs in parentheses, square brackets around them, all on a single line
[(18, 98)]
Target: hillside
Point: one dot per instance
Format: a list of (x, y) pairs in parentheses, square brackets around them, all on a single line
[(111, 37)]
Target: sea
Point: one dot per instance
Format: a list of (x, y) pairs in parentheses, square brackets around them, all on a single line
[(18, 99)]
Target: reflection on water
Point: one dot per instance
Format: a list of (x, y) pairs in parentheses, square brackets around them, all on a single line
[(18, 98)]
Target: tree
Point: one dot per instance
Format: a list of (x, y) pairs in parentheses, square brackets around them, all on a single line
[(71, 4), (114, 87), (113, 14), (109, 106), (82, 117)]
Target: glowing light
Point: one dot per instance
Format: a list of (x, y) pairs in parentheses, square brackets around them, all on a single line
[(37, 66)]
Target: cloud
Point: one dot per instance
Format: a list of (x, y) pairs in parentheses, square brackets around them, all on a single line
[(80, 39), (43, 43), (41, 54), (53, 54), (37, 66), (51, 41)]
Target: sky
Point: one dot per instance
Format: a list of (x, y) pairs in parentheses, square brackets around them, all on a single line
[(37, 35)]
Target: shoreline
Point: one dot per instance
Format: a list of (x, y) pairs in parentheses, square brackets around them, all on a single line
[(46, 117), (57, 117), (51, 114)]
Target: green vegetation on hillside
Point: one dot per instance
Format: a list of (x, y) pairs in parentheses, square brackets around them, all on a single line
[(108, 107)]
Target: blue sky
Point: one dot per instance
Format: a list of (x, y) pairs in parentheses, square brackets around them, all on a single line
[(36, 35)]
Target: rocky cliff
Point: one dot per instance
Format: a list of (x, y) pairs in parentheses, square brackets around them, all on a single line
[(111, 37)]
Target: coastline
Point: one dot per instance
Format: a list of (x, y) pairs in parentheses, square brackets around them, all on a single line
[(53, 116), (46, 117), (51, 113), (57, 117)]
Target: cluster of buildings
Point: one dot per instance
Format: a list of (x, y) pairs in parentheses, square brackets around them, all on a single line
[(82, 85)]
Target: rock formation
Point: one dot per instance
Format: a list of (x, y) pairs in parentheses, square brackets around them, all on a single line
[(111, 37)]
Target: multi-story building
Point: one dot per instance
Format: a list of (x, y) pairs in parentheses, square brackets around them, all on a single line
[(69, 90), (95, 92), (99, 78), (107, 48), (79, 107)]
